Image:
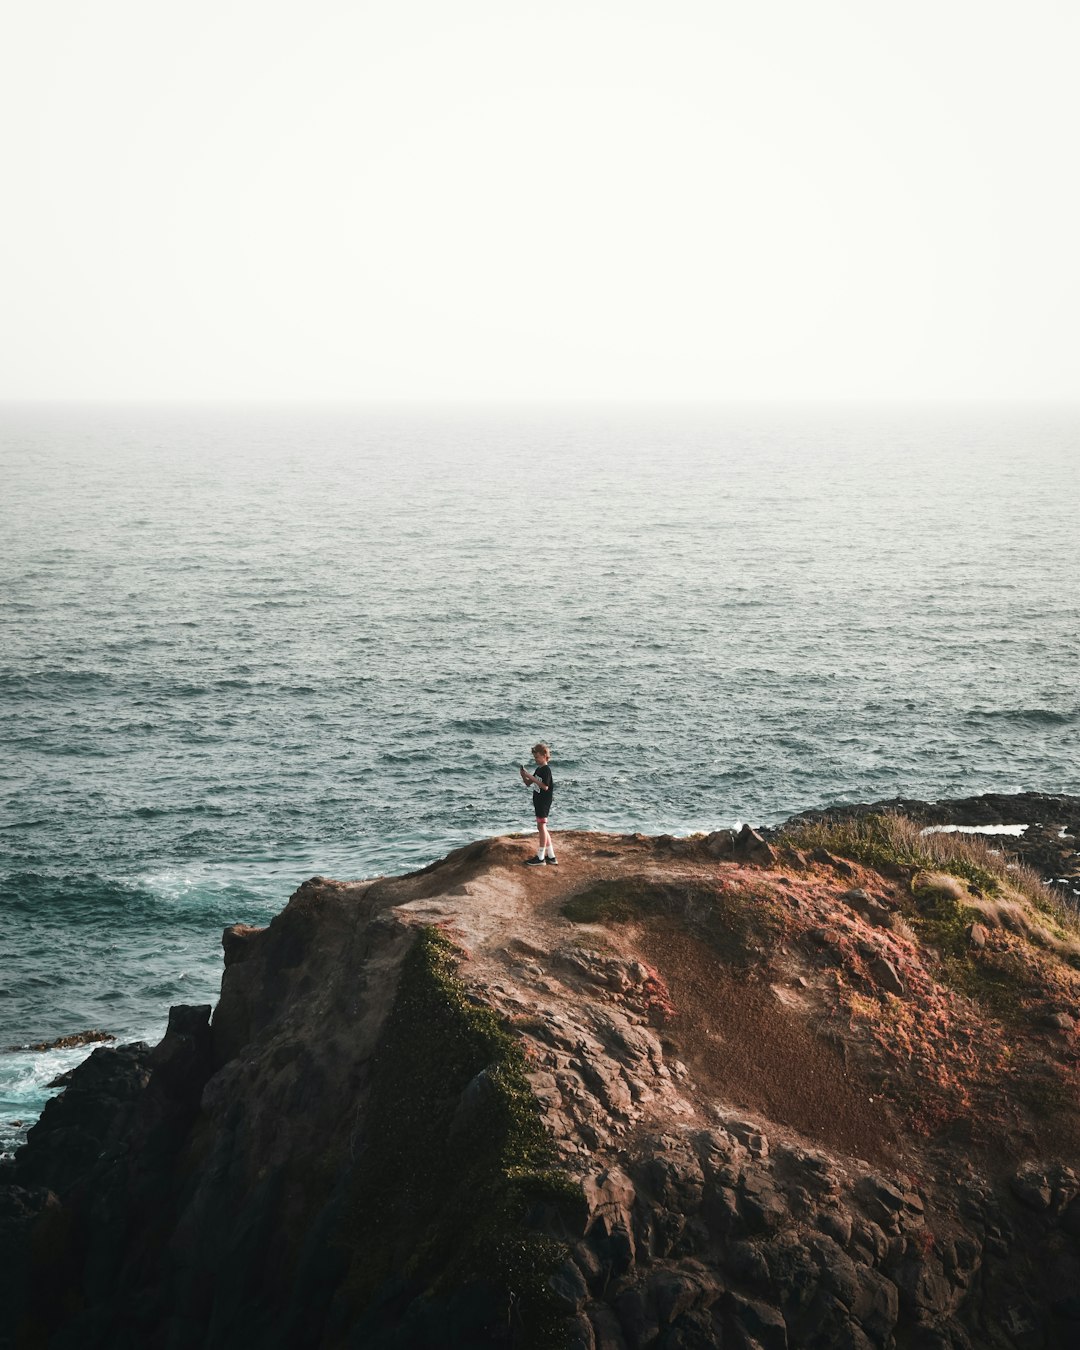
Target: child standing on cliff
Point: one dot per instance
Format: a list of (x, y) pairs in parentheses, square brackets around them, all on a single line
[(543, 791)]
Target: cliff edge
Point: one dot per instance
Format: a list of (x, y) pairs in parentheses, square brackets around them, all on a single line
[(814, 1090)]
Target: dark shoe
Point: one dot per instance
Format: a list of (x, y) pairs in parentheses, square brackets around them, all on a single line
[(552, 862), (534, 862)]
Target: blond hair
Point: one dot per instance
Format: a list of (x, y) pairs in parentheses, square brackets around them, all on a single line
[(541, 749)]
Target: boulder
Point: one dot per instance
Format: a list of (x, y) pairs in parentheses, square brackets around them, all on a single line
[(752, 846), (885, 976)]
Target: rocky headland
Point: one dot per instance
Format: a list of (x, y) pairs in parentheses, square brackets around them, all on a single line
[(807, 1087)]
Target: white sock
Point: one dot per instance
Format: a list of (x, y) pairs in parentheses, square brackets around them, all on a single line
[(540, 854), (551, 850)]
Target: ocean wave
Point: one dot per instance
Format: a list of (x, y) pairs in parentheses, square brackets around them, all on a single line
[(90, 898), (1037, 716), (485, 725)]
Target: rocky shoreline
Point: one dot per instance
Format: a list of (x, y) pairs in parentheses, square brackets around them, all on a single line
[(720, 1092)]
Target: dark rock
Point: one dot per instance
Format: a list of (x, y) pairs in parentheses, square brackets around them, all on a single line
[(873, 911), (840, 865), (1068, 1309), (838, 1272), (877, 1305), (884, 974), (699, 1330), (923, 1287), (961, 1257), (721, 1210), (637, 1319), (762, 1206), (71, 1042), (868, 1242), (836, 1224), (607, 1333), (569, 1287), (881, 1201), (750, 845), (89, 1115), (1033, 1188), (676, 1180), (676, 1291), (745, 1263), (750, 1324), (793, 1274), (579, 1334), (720, 844)]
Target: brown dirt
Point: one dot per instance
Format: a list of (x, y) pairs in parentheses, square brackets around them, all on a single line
[(743, 1045)]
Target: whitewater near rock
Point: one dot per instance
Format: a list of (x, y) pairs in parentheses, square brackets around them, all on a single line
[(719, 1091)]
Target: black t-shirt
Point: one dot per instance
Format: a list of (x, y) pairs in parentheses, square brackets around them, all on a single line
[(543, 798)]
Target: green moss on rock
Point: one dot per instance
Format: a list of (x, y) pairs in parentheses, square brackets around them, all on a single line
[(456, 1172)]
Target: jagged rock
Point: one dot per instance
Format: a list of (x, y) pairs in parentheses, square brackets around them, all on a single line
[(1033, 1188), (69, 1042), (872, 910), (761, 1205), (677, 1290), (868, 1242), (699, 1330), (750, 845), (836, 1224), (579, 1334), (885, 975), (749, 1134), (639, 1323), (607, 1332), (720, 844), (569, 1286), (841, 865), (751, 1324), (86, 1118)]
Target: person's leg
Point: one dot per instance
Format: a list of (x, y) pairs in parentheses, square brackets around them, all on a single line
[(549, 847), (542, 831)]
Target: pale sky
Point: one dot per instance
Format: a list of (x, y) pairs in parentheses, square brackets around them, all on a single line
[(477, 199)]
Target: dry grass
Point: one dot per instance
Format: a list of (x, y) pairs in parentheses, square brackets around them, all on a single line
[(891, 841)]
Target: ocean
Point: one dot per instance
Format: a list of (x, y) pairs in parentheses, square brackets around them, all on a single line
[(247, 645)]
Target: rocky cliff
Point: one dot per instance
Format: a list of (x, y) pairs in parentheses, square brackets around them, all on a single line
[(812, 1091)]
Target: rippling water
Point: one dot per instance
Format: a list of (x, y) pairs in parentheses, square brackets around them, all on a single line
[(245, 646)]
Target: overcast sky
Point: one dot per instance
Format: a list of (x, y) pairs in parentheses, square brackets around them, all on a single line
[(487, 199)]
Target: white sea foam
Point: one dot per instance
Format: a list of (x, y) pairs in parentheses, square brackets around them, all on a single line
[(974, 829)]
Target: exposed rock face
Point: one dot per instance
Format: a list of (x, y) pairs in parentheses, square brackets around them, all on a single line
[(673, 1094)]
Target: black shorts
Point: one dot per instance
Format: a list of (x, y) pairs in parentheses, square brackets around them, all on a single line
[(542, 804)]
